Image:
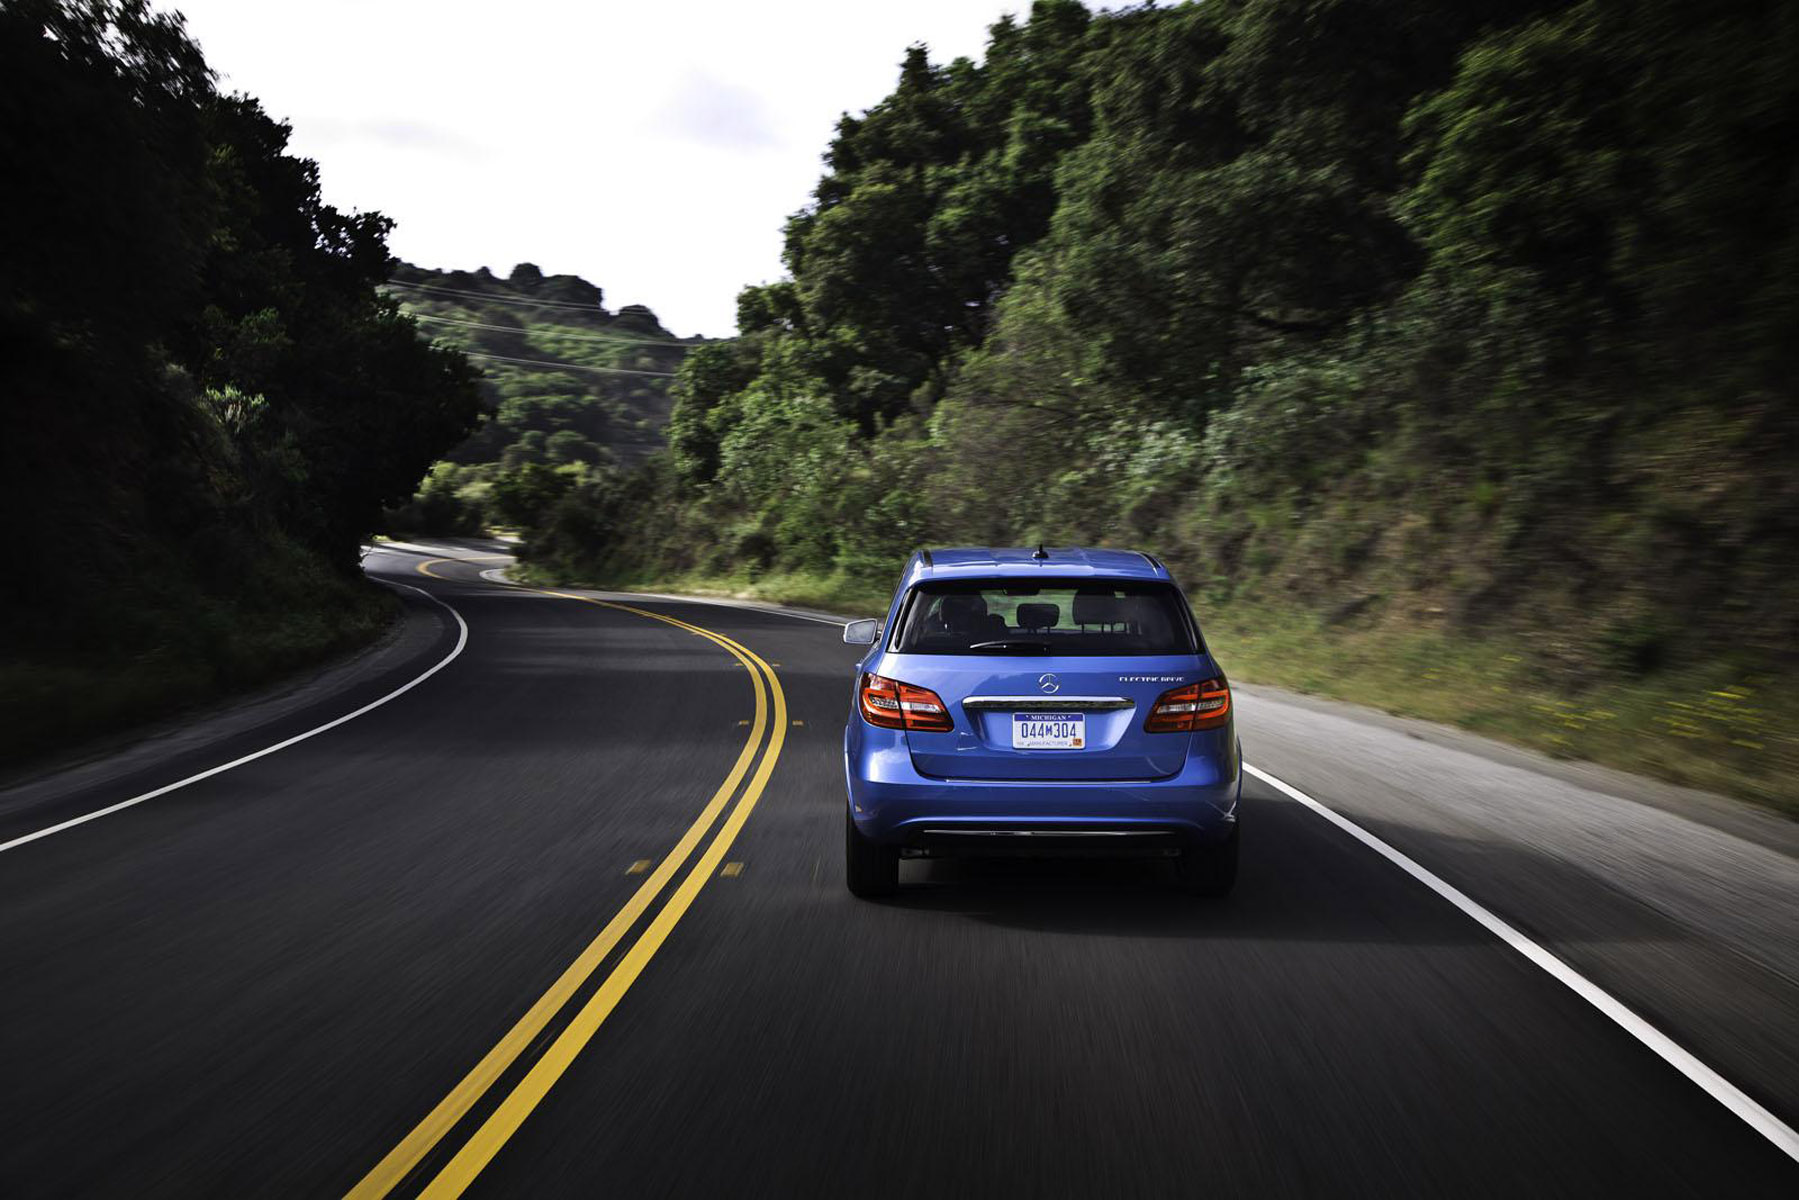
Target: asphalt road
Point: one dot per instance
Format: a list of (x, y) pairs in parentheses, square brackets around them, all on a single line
[(265, 983)]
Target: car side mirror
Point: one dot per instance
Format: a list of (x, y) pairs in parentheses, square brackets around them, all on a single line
[(862, 633)]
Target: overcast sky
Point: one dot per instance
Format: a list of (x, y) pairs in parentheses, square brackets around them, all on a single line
[(654, 148)]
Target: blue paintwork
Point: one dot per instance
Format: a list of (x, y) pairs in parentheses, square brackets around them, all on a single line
[(1064, 562), (901, 782)]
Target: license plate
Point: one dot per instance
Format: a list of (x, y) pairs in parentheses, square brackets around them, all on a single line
[(1049, 731)]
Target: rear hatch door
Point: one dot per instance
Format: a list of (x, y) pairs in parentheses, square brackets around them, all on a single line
[(1026, 717)]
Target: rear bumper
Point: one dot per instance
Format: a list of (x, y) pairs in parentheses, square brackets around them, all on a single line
[(893, 804)]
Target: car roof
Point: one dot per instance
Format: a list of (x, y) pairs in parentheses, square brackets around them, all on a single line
[(1012, 562)]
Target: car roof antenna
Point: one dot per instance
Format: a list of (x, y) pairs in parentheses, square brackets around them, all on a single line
[(1041, 552)]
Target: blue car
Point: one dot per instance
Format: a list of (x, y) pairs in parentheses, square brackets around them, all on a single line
[(1039, 702)]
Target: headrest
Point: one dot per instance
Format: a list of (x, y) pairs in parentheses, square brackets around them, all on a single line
[(1097, 608), (1038, 616), (963, 606), (961, 613)]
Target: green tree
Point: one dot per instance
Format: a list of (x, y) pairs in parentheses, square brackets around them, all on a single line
[(210, 375), (708, 375), (523, 497)]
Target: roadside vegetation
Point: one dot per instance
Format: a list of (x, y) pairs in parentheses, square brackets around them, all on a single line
[(1438, 348), (211, 401)]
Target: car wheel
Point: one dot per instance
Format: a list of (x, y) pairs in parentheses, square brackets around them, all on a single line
[(870, 868), (1209, 870)]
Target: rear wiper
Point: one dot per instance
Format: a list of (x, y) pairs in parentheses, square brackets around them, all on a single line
[(1041, 647)]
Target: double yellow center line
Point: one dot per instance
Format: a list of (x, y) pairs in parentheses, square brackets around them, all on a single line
[(455, 1177)]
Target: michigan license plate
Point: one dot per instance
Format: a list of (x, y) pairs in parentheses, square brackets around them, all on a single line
[(1049, 731)]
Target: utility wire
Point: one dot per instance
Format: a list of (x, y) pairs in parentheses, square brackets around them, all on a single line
[(592, 310), (556, 366), (585, 337)]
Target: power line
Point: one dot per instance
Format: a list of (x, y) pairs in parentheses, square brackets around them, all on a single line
[(556, 366), (585, 337), (592, 310)]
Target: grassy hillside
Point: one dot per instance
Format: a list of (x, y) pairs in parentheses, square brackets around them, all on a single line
[(572, 389)]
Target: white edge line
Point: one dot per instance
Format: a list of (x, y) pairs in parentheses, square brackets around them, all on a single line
[(446, 660), (1715, 1085)]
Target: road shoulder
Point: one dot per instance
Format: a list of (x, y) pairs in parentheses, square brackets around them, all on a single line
[(1689, 921), (98, 765), (1739, 818)]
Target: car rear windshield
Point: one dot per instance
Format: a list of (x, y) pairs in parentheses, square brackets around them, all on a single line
[(999, 616)]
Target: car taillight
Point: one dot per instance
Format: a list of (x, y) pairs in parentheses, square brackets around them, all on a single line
[(1187, 709), (895, 705)]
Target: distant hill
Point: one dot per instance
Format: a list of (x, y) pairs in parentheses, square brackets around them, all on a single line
[(573, 390), (561, 369)]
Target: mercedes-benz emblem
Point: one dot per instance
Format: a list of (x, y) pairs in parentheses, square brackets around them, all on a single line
[(1049, 683)]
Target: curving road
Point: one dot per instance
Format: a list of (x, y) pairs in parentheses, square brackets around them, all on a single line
[(566, 919)]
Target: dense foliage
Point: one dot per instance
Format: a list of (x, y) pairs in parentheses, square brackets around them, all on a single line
[(209, 402), (1472, 314), (571, 390)]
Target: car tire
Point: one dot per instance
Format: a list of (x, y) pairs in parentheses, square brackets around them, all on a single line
[(869, 868), (1209, 870)]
